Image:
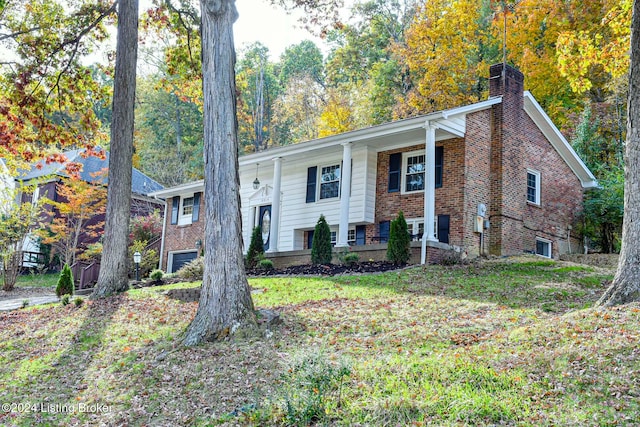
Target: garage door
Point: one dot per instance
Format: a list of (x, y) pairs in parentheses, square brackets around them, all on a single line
[(178, 260)]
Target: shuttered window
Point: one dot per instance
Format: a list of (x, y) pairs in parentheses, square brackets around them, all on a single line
[(312, 176)]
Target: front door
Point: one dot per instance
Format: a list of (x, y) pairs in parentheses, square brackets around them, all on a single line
[(264, 221)]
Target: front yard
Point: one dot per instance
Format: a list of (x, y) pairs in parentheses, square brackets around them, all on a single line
[(499, 343)]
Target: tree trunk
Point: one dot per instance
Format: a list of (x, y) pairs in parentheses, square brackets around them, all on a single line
[(225, 306), (113, 271), (626, 284)]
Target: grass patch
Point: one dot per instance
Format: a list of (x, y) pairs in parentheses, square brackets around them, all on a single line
[(38, 280), (495, 343)]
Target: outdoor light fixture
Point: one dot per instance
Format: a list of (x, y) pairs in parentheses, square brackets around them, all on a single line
[(198, 244), (256, 182), (137, 257)]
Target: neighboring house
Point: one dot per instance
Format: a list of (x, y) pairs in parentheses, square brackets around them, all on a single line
[(495, 177), (93, 169), (7, 188)]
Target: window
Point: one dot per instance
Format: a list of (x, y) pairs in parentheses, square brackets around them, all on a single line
[(330, 182), (185, 210), (415, 227), (533, 187), (543, 248), (187, 206), (414, 173), (351, 236)]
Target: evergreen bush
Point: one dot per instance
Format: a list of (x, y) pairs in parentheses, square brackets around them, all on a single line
[(398, 247), (156, 275), (65, 282), (193, 270), (256, 248), (321, 251), (265, 264)]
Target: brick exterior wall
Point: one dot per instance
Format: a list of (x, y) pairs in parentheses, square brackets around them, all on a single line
[(449, 197), (517, 145), (489, 166), (477, 172), (181, 237)]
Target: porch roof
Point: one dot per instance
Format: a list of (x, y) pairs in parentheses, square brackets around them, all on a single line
[(450, 123)]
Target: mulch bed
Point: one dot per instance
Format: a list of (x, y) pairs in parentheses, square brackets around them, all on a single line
[(327, 269)]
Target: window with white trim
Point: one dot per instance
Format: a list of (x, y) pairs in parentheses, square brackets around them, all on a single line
[(186, 211), (415, 227), (413, 167), (543, 248), (330, 181), (533, 186), (187, 206), (351, 236)]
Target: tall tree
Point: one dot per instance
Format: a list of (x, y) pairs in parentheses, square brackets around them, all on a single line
[(258, 88), (446, 54), (225, 306), (114, 272), (626, 286), (168, 137)]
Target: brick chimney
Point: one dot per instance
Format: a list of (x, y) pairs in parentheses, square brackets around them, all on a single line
[(508, 169)]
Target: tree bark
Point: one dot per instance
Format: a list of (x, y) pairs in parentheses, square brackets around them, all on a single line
[(113, 275), (626, 283), (225, 306)]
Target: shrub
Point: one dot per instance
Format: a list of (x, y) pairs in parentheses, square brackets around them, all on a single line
[(311, 383), (321, 246), (145, 228), (398, 247), (65, 299), (347, 258), (149, 260), (351, 258), (77, 301), (193, 270), (156, 275), (65, 282), (265, 264), (256, 248)]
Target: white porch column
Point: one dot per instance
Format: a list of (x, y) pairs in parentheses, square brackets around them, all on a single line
[(429, 191), (345, 195), (274, 230)]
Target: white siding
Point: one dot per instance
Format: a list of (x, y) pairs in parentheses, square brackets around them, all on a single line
[(296, 214)]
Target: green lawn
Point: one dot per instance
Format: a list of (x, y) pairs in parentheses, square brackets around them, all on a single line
[(500, 343), (38, 280)]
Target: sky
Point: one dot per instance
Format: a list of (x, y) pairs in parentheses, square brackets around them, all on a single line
[(259, 21)]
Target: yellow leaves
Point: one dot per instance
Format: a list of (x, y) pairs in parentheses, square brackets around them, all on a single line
[(441, 50), (337, 116), (605, 44)]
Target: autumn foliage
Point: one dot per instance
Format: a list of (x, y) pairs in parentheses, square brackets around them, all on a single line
[(77, 217)]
